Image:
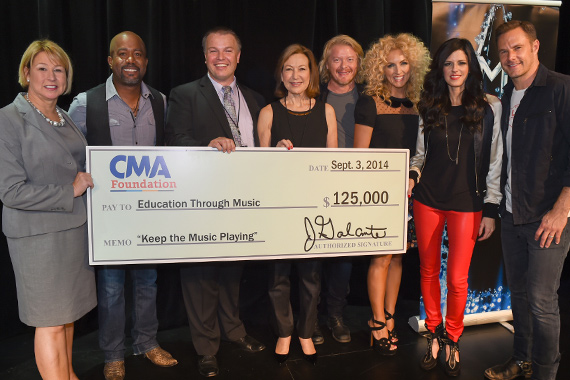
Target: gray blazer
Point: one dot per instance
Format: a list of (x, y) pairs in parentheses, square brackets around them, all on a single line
[(36, 174)]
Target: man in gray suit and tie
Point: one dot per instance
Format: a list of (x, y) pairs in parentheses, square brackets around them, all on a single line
[(218, 112), (125, 111)]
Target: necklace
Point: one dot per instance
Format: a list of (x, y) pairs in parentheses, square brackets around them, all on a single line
[(59, 123), (135, 109), (456, 160), (299, 114)]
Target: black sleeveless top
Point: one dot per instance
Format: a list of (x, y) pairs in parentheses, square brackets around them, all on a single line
[(307, 129)]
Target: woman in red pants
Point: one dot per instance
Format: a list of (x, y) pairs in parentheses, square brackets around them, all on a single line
[(456, 172)]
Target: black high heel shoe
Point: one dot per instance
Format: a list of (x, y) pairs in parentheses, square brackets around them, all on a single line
[(311, 358), (382, 345), (452, 366), (392, 334), (280, 358), (429, 361)]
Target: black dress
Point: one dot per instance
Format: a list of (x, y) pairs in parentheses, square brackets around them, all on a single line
[(309, 130), (395, 126)]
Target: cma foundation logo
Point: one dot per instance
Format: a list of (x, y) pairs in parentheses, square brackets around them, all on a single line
[(136, 174)]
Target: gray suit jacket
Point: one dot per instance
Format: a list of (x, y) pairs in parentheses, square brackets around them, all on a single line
[(36, 174)]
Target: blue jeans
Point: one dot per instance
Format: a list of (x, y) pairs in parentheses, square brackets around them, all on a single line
[(111, 307), (336, 274), (533, 276)]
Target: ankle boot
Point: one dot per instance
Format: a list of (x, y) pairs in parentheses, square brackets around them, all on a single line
[(452, 366), (429, 361)]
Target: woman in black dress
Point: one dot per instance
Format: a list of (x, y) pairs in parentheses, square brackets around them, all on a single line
[(456, 173), (386, 117), (298, 119)]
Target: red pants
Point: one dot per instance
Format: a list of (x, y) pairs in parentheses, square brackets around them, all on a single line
[(462, 230)]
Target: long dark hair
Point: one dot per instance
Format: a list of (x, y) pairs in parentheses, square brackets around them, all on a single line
[(434, 101)]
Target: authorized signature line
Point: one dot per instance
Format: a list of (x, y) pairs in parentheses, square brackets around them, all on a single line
[(358, 238), (323, 229)]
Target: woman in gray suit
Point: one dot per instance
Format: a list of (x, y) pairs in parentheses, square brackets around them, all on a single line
[(42, 186)]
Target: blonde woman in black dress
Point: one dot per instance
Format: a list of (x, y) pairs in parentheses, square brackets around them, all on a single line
[(387, 117)]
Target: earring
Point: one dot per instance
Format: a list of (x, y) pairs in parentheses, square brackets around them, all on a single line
[(28, 81)]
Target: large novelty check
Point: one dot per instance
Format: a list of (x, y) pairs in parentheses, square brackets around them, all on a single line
[(161, 205)]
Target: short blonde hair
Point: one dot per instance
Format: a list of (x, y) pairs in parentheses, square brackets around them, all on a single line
[(54, 52), (376, 59), (341, 39)]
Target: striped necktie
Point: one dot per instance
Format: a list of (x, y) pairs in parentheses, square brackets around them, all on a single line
[(231, 114)]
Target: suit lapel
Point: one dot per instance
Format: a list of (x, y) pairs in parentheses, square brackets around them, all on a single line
[(33, 118), (209, 92), (73, 126)]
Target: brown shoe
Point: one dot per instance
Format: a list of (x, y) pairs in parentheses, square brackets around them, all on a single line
[(114, 370), (160, 357), (512, 369)]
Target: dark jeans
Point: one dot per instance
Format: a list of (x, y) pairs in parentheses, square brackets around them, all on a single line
[(336, 275), (533, 276), (111, 307)]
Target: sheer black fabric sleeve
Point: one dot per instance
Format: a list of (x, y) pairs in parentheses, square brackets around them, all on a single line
[(365, 111)]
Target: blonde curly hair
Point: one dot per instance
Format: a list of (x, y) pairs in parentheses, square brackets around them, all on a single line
[(375, 61)]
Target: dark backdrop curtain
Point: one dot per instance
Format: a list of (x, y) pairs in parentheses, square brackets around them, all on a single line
[(172, 30)]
